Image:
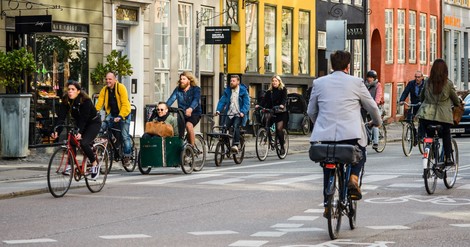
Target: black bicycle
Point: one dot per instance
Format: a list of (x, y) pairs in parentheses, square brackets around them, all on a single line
[(224, 137), (339, 159), (409, 137), (434, 166), (265, 141)]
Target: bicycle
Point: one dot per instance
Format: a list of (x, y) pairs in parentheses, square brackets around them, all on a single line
[(64, 166), (222, 148), (409, 137), (339, 159), (112, 138), (382, 136), (433, 162), (199, 150), (264, 142)]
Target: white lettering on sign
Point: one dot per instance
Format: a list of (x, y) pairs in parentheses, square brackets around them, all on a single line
[(217, 35), (39, 23)]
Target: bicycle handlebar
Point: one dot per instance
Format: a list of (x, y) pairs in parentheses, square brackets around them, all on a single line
[(69, 127), (411, 105)]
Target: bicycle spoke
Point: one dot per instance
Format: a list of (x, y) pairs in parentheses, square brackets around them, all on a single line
[(60, 172)]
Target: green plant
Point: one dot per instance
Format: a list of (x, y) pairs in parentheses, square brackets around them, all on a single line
[(116, 63), (15, 66)]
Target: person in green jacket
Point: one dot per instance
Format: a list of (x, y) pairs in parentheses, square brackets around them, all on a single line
[(438, 97), (114, 98)]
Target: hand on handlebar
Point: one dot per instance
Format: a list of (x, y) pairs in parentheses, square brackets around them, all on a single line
[(54, 135)]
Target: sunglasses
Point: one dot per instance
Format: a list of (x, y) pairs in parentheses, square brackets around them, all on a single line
[(159, 109)]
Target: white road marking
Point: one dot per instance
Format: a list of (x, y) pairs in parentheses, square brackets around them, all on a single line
[(392, 227), (30, 241), (213, 233), (238, 179), (251, 166), (294, 180), (314, 210), (460, 225), (375, 178), (286, 225), (248, 243), (464, 187), (179, 179), (368, 187), (310, 229), (406, 185), (127, 236), (268, 234), (305, 218)]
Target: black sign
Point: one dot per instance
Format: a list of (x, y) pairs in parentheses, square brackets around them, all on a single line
[(355, 31), (218, 35), (33, 24)]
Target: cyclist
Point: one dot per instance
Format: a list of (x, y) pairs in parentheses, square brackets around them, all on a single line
[(335, 110), (438, 97), (413, 89), (116, 103), (77, 104), (376, 91), (276, 98), (235, 102), (188, 95)]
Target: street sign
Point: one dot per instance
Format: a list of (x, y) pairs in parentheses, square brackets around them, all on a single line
[(335, 36), (356, 31), (218, 35)]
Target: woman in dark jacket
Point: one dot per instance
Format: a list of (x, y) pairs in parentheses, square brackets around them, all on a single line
[(276, 99), (78, 105)]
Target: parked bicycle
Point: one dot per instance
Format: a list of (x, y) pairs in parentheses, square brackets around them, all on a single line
[(409, 137), (339, 159), (64, 165), (264, 142), (382, 137), (224, 137), (433, 162)]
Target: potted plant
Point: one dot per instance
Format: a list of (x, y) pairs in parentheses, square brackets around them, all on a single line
[(15, 66), (115, 63)]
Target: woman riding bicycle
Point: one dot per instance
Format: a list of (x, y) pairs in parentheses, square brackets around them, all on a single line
[(276, 99), (77, 104), (438, 97)]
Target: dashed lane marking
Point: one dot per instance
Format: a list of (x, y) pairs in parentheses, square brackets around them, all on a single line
[(464, 187), (179, 179), (307, 229), (239, 179), (406, 185), (248, 243), (460, 225), (268, 234), (286, 225), (30, 241), (376, 178), (314, 210), (213, 233), (304, 218), (392, 227), (127, 236), (294, 180)]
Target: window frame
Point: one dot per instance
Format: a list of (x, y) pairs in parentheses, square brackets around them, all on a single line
[(412, 36), (389, 36), (422, 38), (401, 51)]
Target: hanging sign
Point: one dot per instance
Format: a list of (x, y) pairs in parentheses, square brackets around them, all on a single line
[(218, 35), (33, 24)]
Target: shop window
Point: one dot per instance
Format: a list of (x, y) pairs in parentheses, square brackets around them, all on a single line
[(304, 44), (269, 39), (251, 38), (286, 41)]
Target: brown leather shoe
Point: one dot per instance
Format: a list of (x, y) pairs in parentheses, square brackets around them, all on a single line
[(353, 186), (325, 213)]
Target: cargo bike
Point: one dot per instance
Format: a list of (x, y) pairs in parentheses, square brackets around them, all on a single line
[(157, 152)]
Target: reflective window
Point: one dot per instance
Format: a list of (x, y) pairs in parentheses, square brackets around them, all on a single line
[(401, 36), (433, 38), (388, 36), (206, 54), (162, 34), (286, 41), (269, 39), (412, 37), (422, 38), (185, 36), (251, 38), (304, 44)]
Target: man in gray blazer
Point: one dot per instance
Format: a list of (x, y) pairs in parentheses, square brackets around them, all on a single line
[(335, 110)]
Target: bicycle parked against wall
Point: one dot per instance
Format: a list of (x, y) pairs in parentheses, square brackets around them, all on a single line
[(64, 165), (433, 162), (265, 142), (409, 137)]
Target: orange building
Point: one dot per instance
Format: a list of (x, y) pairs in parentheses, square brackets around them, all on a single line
[(405, 36)]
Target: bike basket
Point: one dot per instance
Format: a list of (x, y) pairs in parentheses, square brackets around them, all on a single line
[(427, 140), (335, 153)]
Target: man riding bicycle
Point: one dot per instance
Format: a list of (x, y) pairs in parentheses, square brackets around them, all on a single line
[(335, 110), (413, 89), (235, 102), (116, 103)]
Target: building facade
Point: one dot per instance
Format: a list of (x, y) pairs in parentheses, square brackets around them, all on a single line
[(405, 36)]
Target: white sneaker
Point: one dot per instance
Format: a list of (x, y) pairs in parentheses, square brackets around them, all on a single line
[(95, 172), (234, 149), (67, 171)]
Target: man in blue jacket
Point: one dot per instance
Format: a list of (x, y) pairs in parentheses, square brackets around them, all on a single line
[(235, 102), (413, 88)]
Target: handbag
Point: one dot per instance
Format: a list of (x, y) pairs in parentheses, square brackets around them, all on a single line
[(457, 113), (341, 153), (159, 129)]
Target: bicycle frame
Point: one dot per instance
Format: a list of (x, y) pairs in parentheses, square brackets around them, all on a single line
[(344, 172), (71, 144)]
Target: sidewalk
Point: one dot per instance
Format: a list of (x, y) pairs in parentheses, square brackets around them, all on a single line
[(28, 175)]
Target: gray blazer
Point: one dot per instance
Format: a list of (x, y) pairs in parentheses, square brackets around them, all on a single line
[(335, 108)]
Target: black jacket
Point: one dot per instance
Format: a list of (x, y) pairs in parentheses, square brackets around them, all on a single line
[(81, 110), (410, 89)]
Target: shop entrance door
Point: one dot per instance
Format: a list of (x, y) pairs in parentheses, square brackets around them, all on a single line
[(122, 38)]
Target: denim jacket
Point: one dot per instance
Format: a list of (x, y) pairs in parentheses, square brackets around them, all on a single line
[(188, 99), (243, 101)]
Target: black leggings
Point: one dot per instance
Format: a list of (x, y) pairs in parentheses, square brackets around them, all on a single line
[(92, 130), (444, 133)]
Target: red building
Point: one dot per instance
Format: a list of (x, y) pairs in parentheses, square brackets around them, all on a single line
[(405, 36)]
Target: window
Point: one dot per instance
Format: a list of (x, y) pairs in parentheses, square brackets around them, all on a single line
[(389, 36), (269, 39), (422, 39), (456, 59), (388, 99), (400, 89), (162, 34), (412, 37), (433, 38), (347, 1), (358, 2), (251, 38), (184, 36), (162, 85), (286, 41), (206, 55), (304, 44), (401, 36), (358, 48)]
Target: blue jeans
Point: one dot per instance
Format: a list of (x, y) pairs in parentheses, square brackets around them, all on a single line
[(124, 126), (235, 122)]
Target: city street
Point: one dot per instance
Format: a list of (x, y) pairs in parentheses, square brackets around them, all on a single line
[(270, 203)]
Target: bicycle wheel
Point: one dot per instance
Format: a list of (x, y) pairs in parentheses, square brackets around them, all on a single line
[(450, 175), (238, 157), (60, 172), (334, 210), (430, 178), (262, 144), (382, 139), (200, 151), (110, 155), (352, 213), (407, 139), (133, 161), (219, 153), (102, 156), (143, 170), (305, 125), (286, 145), (187, 159)]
